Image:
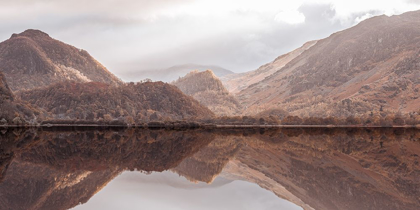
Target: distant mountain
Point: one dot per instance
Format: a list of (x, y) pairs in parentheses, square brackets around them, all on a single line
[(206, 88), (144, 102), (33, 59), (175, 72), (368, 68)]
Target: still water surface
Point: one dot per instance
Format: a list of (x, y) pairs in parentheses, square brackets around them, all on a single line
[(210, 169)]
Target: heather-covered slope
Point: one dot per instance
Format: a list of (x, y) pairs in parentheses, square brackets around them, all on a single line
[(33, 59), (95, 101), (372, 65), (206, 88)]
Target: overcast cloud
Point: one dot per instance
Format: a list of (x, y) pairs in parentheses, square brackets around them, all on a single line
[(240, 35)]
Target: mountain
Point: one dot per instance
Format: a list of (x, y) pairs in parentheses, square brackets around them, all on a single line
[(206, 88), (237, 82), (370, 67), (175, 72), (33, 59), (94, 101)]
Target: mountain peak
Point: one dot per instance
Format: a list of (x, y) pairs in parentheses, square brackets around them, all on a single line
[(206, 87), (34, 59), (31, 33)]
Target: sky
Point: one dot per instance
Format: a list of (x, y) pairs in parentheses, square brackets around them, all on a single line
[(239, 35)]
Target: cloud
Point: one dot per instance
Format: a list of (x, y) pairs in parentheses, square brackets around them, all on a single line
[(290, 17), (413, 1), (241, 35)]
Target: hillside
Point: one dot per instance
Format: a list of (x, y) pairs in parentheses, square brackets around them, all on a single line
[(12, 110), (370, 67), (175, 72), (33, 59), (237, 82), (95, 101), (206, 88)]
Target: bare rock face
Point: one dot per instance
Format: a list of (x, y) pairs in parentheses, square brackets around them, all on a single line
[(206, 88), (374, 64), (33, 59)]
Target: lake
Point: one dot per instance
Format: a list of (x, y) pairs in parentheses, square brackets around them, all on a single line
[(293, 168)]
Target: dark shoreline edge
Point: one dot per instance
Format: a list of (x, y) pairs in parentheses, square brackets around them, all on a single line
[(202, 126)]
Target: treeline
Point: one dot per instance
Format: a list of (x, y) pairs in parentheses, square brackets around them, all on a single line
[(370, 120), (123, 123)]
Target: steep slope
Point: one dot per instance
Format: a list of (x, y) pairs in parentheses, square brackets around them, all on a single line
[(206, 88), (33, 59), (94, 101), (372, 65), (175, 72), (237, 82), (12, 110)]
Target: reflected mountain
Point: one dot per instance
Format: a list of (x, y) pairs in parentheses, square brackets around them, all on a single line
[(313, 168)]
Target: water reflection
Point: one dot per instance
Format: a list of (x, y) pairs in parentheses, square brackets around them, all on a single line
[(167, 190), (313, 168)]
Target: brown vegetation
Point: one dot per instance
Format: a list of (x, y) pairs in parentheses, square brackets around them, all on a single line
[(14, 111), (142, 102)]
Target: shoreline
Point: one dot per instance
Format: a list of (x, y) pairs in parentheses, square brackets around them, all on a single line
[(205, 126)]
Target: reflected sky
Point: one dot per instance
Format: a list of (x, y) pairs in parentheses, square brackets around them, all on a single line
[(167, 190), (325, 169)]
